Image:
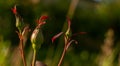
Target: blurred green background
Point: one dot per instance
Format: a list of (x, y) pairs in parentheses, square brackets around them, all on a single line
[(99, 18)]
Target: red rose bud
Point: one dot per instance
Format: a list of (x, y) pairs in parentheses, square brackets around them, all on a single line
[(37, 38), (19, 23), (19, 20)]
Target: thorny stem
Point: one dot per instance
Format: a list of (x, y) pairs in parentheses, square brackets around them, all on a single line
[(34, 58), (22, 52), (63, 54)]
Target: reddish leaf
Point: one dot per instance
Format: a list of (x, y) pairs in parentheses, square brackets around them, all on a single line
[(82, 32), (41, 20), (40, 24), (69, 22), (56, 36), (79, 33), (70, 43)]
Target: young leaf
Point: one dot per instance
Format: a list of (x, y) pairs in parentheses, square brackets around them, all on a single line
[(70, 43), (68, 29), (79, 33), (56, 36), (41, 19)]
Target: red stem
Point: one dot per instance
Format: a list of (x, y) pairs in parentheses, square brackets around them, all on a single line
[(63, 54), (22, 52)]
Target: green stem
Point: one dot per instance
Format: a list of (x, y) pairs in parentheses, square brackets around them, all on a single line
[(34, 57)]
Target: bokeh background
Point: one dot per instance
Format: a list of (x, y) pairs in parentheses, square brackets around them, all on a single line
[(100, 19)]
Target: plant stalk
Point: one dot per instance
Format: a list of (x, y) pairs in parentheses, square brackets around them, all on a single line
[(22, 52), (63, 54), (34, 57)]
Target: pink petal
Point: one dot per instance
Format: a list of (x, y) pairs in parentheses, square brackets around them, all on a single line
[(56, 36)]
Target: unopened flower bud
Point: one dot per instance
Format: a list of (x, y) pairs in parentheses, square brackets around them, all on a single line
[(37, 38)]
